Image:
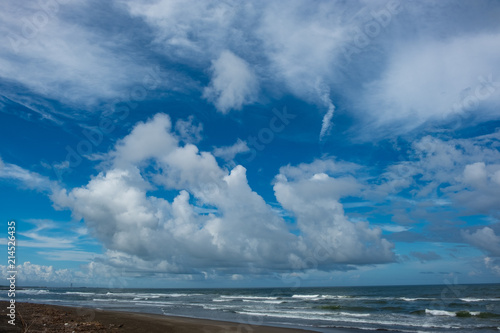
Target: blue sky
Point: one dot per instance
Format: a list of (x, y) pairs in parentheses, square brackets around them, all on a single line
[(209, 143)]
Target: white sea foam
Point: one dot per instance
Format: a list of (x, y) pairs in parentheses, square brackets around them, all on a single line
[(440, 313), (249, 297), (122, 294), (146, 297), (472, 299), (305, 296), (334, 296), (181, 295), (33, 291), (377, 321), (409, 299), (354, 314), (310, 315), (263, 301), (79, 293), (289, 314)]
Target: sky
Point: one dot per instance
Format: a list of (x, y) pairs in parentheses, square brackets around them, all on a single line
[(207, 143)]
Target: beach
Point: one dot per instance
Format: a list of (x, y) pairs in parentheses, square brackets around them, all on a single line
[(463, 308), (53, 318)]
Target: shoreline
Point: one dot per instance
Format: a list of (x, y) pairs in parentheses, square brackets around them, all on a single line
[(55, 318)]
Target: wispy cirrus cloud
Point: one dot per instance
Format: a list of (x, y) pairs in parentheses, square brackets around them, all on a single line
[(410, 93), (55, 56), (245, 52), (27, 178)]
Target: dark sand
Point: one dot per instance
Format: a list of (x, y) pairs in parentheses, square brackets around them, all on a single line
[(55, 319)]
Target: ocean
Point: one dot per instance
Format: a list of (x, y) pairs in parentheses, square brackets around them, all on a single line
[(440, 308)]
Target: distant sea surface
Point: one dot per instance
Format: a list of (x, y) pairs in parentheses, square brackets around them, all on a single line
[(443, 308)]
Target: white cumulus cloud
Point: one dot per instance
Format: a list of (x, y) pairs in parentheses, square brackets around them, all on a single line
[(215, 220), (314, 201), (233, 83)]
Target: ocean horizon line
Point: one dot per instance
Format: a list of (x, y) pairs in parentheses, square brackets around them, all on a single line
[(6, 287)]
